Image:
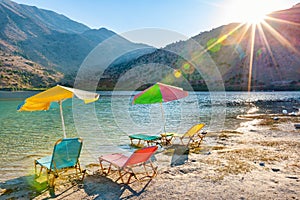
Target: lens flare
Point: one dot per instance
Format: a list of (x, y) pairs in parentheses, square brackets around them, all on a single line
[(177, 73), (213, 45), (187, 68)]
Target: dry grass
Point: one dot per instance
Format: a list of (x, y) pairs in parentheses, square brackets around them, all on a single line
[(282, 145), (267, 122), (240, 161), (254, 155), (224, 134), (227, 134), (218, 147), (243, 160), (223, 168)]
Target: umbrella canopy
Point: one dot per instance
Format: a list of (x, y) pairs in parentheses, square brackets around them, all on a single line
[(42, 100), (159, 93)]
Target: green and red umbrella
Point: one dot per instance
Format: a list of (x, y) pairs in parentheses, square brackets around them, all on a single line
[(159, 93)]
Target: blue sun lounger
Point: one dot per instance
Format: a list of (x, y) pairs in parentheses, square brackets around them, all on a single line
[(65, 156)]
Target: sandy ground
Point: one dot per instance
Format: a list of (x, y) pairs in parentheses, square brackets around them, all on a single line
[(259, 160)]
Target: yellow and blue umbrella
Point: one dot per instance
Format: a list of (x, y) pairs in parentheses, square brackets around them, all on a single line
[(42, 100)]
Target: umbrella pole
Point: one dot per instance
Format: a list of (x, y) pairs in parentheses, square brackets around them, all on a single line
[(163, 116), (62, 119)]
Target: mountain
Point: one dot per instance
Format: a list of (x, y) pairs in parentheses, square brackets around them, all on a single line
[(50, 40), (40, 48), (20, 73), (269, 58)]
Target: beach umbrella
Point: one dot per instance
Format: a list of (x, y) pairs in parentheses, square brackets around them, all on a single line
[(159, 93), (42, 100)]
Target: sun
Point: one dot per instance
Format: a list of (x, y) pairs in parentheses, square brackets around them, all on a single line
[(250, 11)]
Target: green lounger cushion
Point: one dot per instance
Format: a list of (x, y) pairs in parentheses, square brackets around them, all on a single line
[(145, 137)]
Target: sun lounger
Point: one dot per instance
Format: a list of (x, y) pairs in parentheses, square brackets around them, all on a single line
[(149, 139), (140, 159), (193, 135), (65, 156), (162, 139)]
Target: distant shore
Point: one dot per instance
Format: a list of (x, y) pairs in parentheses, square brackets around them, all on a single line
[(277, 89), (259, 160)]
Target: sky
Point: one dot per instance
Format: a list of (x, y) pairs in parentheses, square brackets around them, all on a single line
[(185, 17)]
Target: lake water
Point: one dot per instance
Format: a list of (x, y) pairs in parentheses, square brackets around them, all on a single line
[(106, 124)]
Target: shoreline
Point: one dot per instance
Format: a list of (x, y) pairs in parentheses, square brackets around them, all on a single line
[(258, 160)]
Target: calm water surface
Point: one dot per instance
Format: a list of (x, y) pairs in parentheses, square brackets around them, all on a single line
[(106, 124)]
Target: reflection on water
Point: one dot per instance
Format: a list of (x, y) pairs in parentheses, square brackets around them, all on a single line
[(106, 124)]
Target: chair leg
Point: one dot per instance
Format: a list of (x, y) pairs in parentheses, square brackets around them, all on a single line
[(190, 139), (81, 172), (181, 140), (154, 169), (122, 175), (144, 165), (35, 170), (125, 172), (101, 166), (35, 167), (169, 140), (130, 175), (51, 179), (103, 169)]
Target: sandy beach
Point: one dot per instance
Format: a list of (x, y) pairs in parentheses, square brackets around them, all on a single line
[(259, 160)]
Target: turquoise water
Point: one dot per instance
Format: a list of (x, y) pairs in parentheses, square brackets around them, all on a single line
[(106, 124)]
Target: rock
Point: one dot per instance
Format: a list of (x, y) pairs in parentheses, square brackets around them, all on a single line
[(297, 126), (293, 114), (262, 164), (292, 177), (275, 170)]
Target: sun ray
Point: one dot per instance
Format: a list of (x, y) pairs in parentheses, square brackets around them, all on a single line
[(223, 37), (281, 21), (253, 32), (251, 56), (218, 41), (263, 35), (265, 45), (281, 38)]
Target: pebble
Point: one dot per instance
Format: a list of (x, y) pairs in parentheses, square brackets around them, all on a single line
[(292, 177), (275, 170), (293, 114), (297, 126)]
